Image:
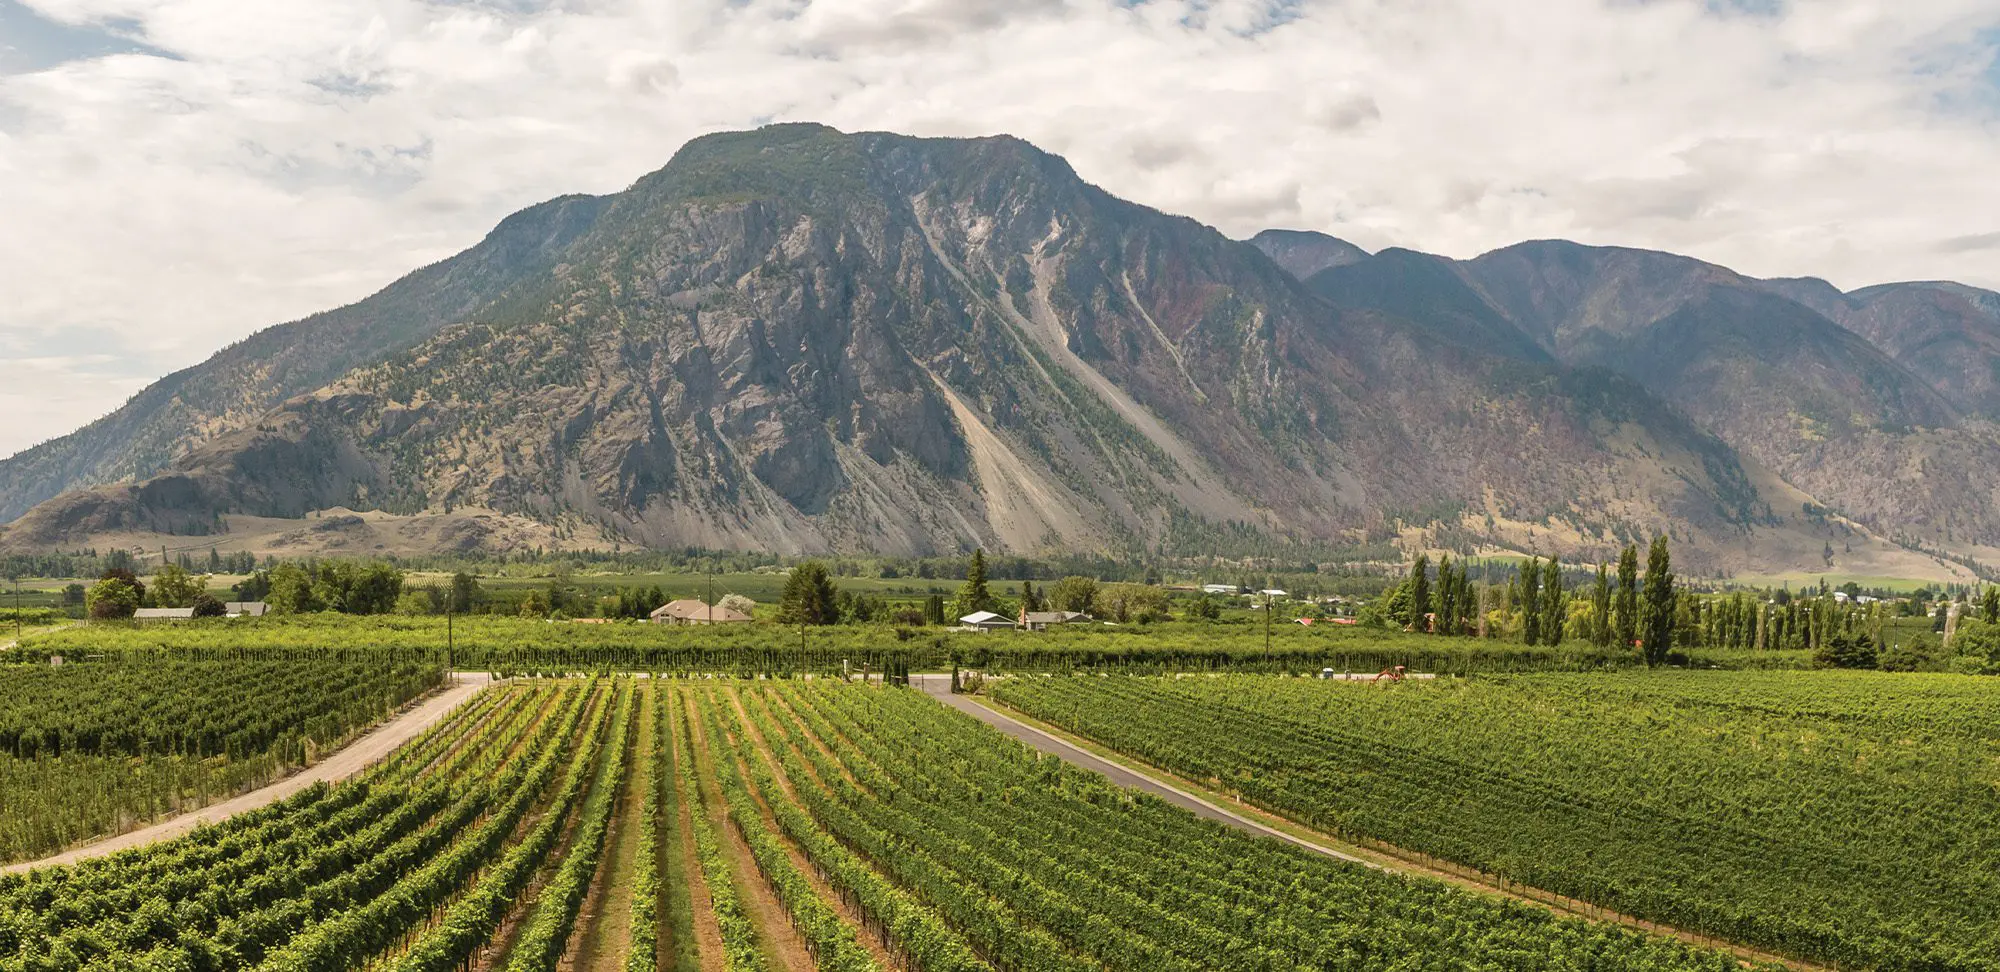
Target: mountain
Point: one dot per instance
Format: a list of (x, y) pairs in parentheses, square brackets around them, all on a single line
[(800, 340), (252, 376), (797, 339), (1303, 253), (1945, 333)]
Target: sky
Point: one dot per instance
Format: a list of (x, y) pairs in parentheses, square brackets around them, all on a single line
[(177, 174)]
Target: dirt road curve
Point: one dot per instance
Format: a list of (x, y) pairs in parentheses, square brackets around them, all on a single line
[(357, 756), (939, 687)]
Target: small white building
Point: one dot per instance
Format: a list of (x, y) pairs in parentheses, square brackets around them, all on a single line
[(1273, 593), (163, 614), (1218, 588), (986, 621)]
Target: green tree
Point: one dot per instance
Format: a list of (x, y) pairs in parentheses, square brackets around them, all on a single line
[(973, 597), (1531, 601), (465, 593), (1074, 594), (1205, 608), (1447, 597), (1600, 609), (1555, 602), (934, 609), (1420, 593), (111, 598), (809, 596), (1628, 597), (291, 591), (174, 587), (1030, 601), (375, 589), (206, 606), (1659, 613), (1989, 605)]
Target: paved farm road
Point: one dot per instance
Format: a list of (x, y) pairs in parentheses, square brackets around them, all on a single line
[(939, 687)]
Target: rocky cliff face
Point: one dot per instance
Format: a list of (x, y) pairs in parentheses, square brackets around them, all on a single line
[(802, 340)]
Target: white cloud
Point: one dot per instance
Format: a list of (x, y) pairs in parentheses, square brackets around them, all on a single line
[(301, 153)]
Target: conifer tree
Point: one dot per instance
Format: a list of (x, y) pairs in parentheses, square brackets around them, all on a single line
[(973, 596), (1030, 600), (809, 596)]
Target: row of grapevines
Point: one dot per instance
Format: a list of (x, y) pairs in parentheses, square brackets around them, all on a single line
[(468, 923), (1005, 838), (918, 932), (830, 939), (299, 866), (739, 940), (1825, 815), (644, 955), (548, 932)]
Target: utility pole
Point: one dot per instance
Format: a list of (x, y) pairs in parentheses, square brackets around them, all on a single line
[(1267, 626), (17, 610)]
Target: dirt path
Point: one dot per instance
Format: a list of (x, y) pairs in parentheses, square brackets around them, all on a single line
[(1128, 773), (350, 760), (875, 943), (782, 943), (605, 939)]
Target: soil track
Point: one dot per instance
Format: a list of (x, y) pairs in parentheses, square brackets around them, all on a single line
[(351, 759)]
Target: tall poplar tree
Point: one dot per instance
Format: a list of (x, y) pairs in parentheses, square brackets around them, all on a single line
[(1600, 609), (1628, 597), (1420, 593), (1659, 612), (1531, 601), (1555, 602), (1447, 597)]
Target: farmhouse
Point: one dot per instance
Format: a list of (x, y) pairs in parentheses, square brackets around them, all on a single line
[(986, 621), (1040, 620), (690, 611), (245, 609)]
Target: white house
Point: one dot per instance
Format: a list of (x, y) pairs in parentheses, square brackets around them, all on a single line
[(1218, 588), (1273, 592), (986, 621)]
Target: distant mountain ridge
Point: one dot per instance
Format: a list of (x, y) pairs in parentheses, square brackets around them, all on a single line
[(802, 340)]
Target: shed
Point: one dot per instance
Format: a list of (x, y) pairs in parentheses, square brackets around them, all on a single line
[(163, 614), (245, 609)]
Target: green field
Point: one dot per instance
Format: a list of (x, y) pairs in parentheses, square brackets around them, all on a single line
[(806, 825), (1850, 818), (94, 748)]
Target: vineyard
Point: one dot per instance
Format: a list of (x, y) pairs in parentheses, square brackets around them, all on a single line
[(530, 646), (1849, 818), (635, 824), (97, 747)]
